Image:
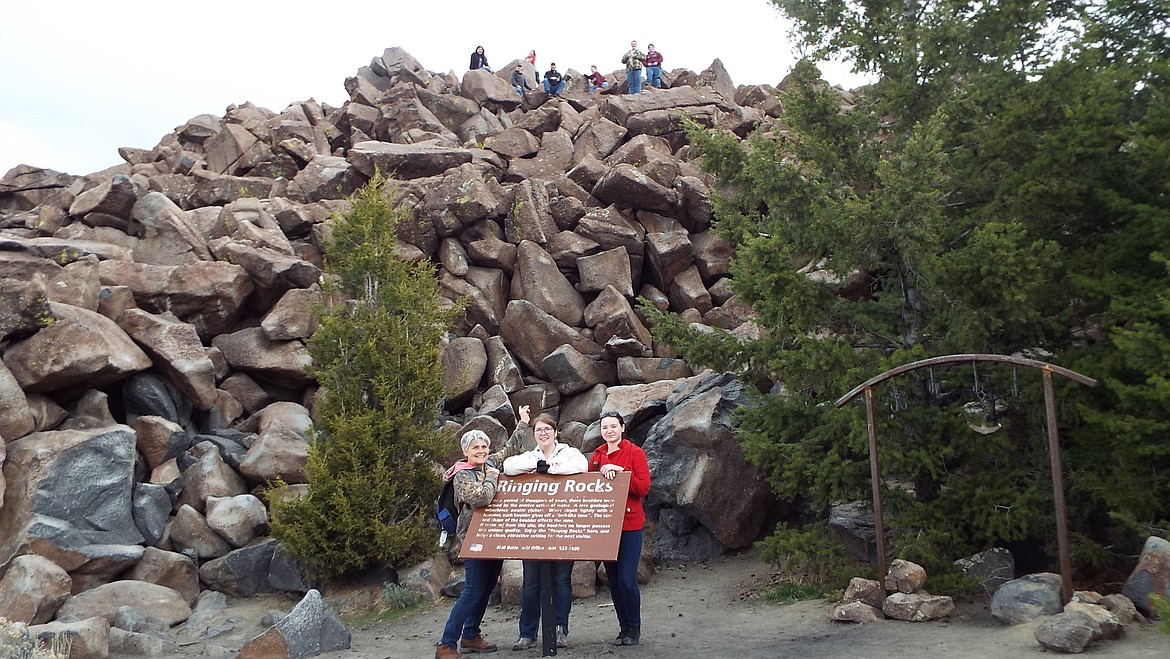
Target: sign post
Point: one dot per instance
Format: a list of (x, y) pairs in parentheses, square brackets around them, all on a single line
[(541, 517)]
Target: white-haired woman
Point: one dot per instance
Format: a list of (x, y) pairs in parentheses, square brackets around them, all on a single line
[(475, 486)]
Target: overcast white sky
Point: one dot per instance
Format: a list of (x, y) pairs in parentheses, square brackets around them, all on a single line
[(80, 78)]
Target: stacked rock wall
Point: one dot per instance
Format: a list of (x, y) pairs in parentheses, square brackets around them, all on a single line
[(153, 315)]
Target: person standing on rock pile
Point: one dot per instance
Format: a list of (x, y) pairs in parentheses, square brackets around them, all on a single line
[(634, 59), (476, 478), (531, 59), (653, 67), (615, 455)]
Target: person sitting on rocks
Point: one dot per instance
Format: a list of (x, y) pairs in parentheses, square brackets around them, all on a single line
[(519, 82), (596, 80), (553, 82), (479, 60)]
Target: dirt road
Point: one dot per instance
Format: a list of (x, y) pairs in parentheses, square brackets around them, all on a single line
[(701, 612)]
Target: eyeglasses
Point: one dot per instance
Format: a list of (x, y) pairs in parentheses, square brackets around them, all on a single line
[(614, 415), (545, 431)]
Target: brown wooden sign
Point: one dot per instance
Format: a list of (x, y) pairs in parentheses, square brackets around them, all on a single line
[(556, 518)]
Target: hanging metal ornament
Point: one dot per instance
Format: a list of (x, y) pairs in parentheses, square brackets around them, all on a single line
[(981, 412)]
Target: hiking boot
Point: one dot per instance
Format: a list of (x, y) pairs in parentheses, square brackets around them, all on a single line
[(633, 635), (621, 637), (562, 637), (444, 651), (477, 644), (523, 643)]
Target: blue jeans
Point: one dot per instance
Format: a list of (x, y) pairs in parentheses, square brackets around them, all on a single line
[(562, 595), (519, 90), (623, 580), (634, 77), (554, 90), (654, 76), (593, 87), (479, 578)]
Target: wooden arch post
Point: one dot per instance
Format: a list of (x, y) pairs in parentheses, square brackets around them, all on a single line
[(1046, 370)]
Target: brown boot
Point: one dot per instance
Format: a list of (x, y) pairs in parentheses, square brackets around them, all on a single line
[(444, 651), (477, 644)]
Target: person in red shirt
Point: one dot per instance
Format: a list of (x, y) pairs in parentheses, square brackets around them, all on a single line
[(653, 67), (615, 455), (596, 80)]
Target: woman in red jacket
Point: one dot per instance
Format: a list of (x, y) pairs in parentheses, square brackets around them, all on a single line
[(615, 455)]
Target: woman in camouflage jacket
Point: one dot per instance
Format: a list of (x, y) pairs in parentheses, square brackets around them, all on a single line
[(476, 478)]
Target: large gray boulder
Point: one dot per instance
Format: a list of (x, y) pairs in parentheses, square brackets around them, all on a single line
[(167, 568), (326, 177), (292, 317), (1027, 598), (24, 296), (284, 363), (207, 294), (606, 269), (406, 161), (573, 372), (108, 204), (16, 416), (99, 352), (176, 350), (502, 369), (626, 185), (169, 237), (611, 317), (33, 589), (88, 638), (239, 519), (209, 476), (307, 631), (991, 568), (463, 360), (538, 280), (281, 448), (242, 572), (1150, 575), (693, 454), (69, 497), (162, 603), (191, 535), (530, 334)]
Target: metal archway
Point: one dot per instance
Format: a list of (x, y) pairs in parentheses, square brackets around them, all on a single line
[(1053, 445)]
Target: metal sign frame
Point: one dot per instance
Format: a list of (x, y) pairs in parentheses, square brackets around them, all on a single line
[(1053, 445)]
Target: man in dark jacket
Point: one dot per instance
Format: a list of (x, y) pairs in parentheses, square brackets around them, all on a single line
[(553, 83), (519, 82)]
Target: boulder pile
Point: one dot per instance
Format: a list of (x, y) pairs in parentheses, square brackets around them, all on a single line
[(153, 319)]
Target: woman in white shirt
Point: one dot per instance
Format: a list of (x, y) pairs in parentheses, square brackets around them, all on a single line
[(549, 457)]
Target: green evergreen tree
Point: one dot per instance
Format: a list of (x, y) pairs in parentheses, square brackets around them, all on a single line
[(1001, 187), (371, 469)]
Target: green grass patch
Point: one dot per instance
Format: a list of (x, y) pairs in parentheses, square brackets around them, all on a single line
[(393, 602), (788, 593), (1161, 608)]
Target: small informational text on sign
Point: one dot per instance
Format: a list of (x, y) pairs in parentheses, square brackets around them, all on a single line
[(557, 518)]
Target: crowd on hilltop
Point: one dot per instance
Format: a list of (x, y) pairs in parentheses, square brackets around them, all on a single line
[(637, 64)]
